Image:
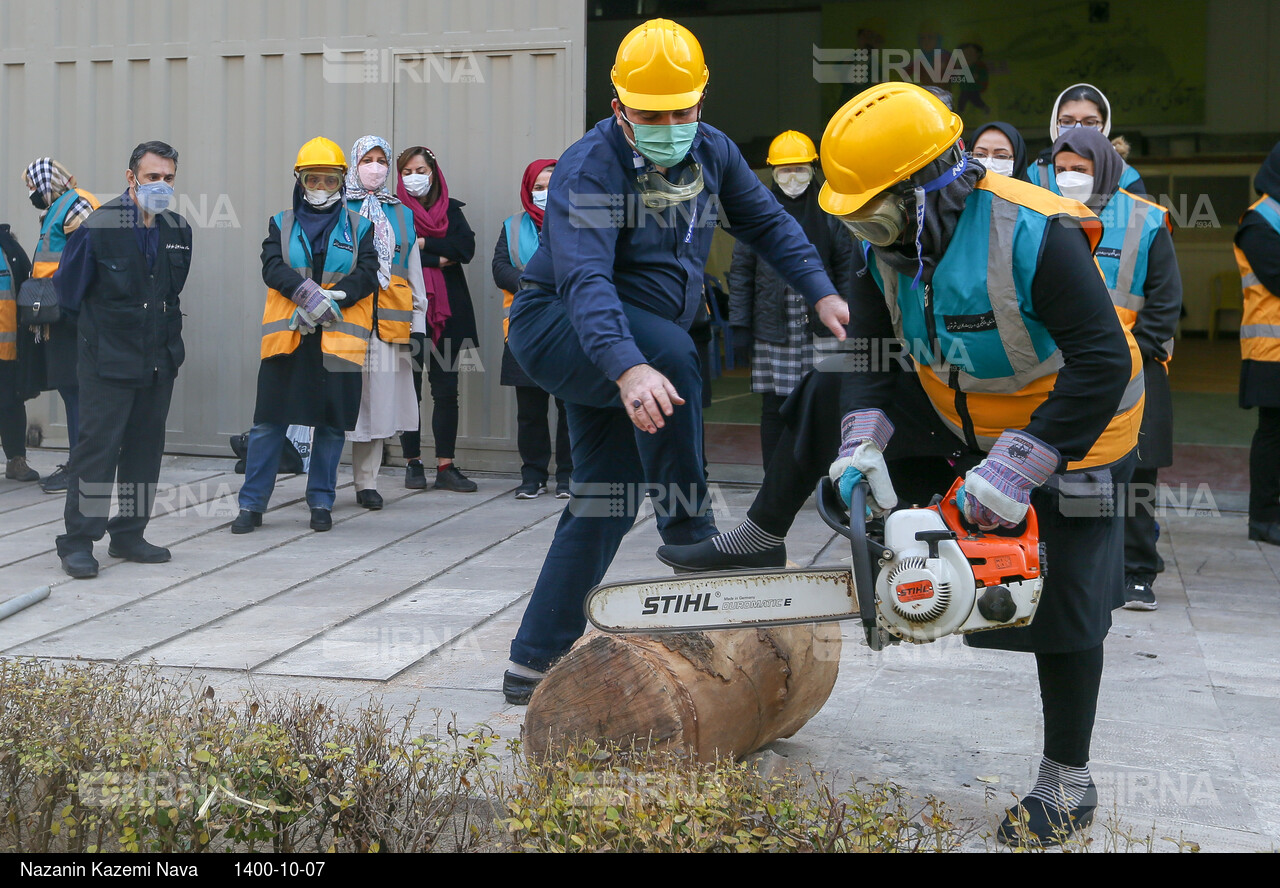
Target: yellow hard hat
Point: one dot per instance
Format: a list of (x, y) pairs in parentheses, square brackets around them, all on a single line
[(320, 152), (882, 136), (659, 67), (791, 147)]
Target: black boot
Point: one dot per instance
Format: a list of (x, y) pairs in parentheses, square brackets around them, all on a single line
[(246, 521)]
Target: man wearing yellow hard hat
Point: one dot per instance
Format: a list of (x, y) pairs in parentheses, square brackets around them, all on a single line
[(602, 318), (1009, 368)]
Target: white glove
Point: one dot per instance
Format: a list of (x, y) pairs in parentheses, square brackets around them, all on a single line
[(863, 436)]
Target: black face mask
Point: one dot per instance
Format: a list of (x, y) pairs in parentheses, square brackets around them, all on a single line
[(38, 201)]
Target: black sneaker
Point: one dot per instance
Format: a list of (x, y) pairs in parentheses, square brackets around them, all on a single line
[(56, 482), (531, 490), (562, 490), (1139, 596), (415, 476), (516, 689), (449, 478), (1032, 823), (705, 556)]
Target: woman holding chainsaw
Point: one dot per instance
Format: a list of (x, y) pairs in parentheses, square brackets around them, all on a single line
[(1017, 377)]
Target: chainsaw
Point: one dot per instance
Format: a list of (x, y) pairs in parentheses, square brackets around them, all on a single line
[(934, 575)]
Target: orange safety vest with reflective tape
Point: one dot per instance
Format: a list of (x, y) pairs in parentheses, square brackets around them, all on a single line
[(1260, 325), (346, 340), (393, 304)]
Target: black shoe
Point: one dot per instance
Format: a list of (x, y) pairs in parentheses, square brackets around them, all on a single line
[(18, 469), (1265, 532), (142, 552), (531, 490), (517, 689), (449, 478), (415, 476), (562, 490), (1159, 565), (81, 565), (705, 556), (56, 482), (1138, 596), (1032, 823), (370, 499), (246, 521), (321, 520)]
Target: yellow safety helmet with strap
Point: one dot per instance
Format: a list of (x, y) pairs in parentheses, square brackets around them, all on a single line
[(320, 152), (659, 67), (882, 136), (791, 147)]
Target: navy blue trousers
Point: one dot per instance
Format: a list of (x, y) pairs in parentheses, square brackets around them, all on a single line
[(615, 465)]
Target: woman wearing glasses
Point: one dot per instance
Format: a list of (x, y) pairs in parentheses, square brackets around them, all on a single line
[(320, 266), (1081, 104)]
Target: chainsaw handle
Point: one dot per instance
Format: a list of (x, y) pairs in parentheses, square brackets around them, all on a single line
[(853, 526)]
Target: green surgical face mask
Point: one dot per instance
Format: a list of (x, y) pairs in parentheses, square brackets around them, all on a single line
[(664, 145)]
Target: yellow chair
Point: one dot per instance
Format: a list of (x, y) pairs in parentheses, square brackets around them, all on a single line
[(1225, 295)]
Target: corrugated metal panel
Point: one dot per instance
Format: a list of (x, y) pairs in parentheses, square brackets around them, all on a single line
[(236, 87)]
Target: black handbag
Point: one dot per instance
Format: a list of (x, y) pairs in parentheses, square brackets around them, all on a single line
[(37, 299), (38, 303)]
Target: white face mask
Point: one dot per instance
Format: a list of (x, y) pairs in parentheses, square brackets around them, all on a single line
[(320, 199), (540, 199), (793, 180), (417, 184), (995, 165), (1076, 186)]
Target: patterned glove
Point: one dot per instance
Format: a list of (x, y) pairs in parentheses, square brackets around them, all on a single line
[(329, 311), (300, 321), (997, 491), (863, 436), (309, 296)]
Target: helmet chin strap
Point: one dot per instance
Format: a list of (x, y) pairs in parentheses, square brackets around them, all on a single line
[(920, 191)]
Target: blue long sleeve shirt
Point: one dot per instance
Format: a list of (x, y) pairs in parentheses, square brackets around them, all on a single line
[(75, 272), (602, 247)]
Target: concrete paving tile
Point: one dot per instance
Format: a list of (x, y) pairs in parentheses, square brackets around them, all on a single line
[(1248, 713)]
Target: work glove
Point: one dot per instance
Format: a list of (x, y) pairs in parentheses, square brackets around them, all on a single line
[(863, 436), (309, 296), (301, 322), (997, 491), (329, 311)]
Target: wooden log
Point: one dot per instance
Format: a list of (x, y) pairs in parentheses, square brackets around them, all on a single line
[(707, 694)]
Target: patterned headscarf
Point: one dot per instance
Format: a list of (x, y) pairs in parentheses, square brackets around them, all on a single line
[(371, 207), (52, 180)]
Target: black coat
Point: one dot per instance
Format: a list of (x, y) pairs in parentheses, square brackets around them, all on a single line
[(22, 378), (507, 277), (1260, 380), (1156, 325), (756, 289), (458, 244), (297, 389)]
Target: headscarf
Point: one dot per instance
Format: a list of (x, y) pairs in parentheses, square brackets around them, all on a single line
[(1268, 179), (430, 221), (1015, 139), (52, 180), (1104, 107), (371, 208), (531, 173), (1107, 165)]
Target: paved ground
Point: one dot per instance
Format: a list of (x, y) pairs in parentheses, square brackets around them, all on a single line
[(419, 601)]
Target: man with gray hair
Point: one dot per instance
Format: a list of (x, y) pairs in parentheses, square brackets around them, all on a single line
[(121, 274)]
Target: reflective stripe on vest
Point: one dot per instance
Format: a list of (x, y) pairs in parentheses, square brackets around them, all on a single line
[(346, 340), (1260, 324), (394, 302), (996, 362), (1130, 228), (512, 225)]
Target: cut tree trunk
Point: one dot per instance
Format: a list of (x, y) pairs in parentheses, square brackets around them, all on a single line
[(721, 693)]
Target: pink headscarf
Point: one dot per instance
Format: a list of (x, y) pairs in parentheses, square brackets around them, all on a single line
[(431, 222)]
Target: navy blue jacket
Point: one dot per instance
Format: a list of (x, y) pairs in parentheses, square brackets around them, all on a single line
[(601, 246)]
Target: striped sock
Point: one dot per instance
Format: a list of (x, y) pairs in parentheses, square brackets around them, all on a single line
[(1061, 786), (745, 539)]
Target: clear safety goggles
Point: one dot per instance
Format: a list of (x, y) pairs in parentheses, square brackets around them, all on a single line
[(658, 193)]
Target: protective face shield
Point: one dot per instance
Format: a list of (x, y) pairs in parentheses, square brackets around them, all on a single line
[(1077, 186), (657, 193), (880, 221), (417, 184), (793, 179)]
